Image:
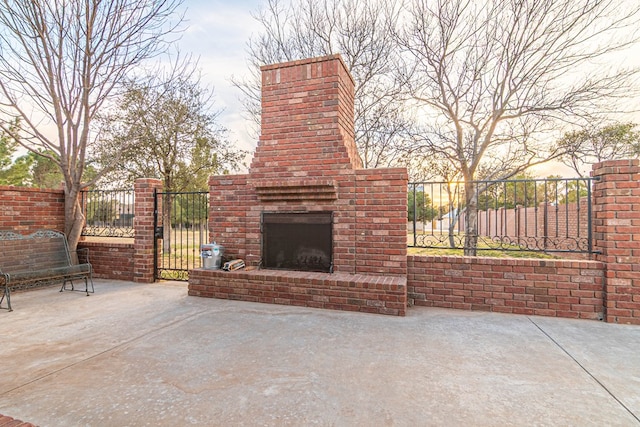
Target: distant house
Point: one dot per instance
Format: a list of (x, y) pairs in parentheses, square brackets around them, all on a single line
[(449, 218)]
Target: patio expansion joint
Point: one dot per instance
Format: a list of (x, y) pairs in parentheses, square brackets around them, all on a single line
[(604, 387), (103, 352)]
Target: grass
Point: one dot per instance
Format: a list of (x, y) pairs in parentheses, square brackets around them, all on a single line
[(185, 249)]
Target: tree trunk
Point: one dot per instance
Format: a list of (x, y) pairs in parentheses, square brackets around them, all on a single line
[(454, 213), (470, 218), (73, 219), (452, 226)]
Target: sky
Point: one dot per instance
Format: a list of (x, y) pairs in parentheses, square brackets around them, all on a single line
[(217, 32)]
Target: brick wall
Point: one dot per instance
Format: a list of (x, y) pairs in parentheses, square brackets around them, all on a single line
[(110, 260), (229, 197), (608, 287), (561, 288), (26, 210)]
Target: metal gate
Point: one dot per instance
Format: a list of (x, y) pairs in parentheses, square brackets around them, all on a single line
[(181, 224)]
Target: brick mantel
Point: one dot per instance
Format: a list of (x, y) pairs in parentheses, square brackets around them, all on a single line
[(297, 190)]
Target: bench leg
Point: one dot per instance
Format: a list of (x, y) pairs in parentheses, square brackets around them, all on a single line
[(86, 285), (6, 293), (64, 285), (87, 279)]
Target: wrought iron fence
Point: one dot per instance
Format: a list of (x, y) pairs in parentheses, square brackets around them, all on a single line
[(108, 213), (545, 215)]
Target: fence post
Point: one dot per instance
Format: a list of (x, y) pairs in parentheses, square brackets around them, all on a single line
[(616, 213), (143, 223)]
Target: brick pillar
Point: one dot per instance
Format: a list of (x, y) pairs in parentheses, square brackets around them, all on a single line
[(143, 246), (229, 202), (616, 212)]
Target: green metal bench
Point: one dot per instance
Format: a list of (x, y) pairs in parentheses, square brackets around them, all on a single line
[(40, 259)]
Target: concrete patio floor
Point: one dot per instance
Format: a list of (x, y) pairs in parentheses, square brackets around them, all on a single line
[(135, 355)]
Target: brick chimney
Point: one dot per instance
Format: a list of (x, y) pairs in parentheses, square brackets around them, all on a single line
[(307, 120)]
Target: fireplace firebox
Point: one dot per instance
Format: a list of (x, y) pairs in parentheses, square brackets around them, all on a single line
[(300, 241)]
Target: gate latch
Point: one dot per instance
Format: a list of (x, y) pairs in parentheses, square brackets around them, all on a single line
[(159, 232)]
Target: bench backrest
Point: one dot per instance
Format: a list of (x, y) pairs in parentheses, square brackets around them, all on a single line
[(38, 251)]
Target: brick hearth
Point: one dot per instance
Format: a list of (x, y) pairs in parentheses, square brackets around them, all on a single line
[(306, 161), (338, 291)]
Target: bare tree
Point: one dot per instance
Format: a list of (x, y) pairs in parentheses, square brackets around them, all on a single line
[(169, 124), (169, 120), (494, 76), (596, 144), (362, 33), (60, 63)]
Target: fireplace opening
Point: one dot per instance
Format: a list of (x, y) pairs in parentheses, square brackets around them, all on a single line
[(300, 241)]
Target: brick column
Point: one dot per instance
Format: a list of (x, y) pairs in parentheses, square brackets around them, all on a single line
[(229, 201), (616, 212), (143, 246), (381, 222)]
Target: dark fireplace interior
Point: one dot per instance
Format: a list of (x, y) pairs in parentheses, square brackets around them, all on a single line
[(297, 241)]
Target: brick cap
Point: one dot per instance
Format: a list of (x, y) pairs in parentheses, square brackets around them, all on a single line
[(613, 166), (307, 61), (30, 189)]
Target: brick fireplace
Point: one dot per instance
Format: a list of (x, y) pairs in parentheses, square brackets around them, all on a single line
[(306, 172)]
